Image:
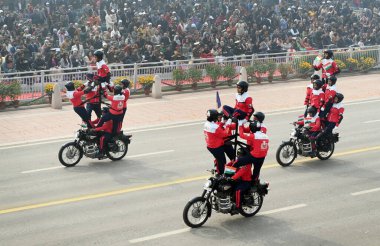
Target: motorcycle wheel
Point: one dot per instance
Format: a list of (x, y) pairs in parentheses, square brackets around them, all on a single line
[(253, 207), (191, 213), (324, 155), (286, 154), (122, 149), (70, 154)]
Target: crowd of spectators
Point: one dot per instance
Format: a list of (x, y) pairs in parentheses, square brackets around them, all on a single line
[(49, 34)]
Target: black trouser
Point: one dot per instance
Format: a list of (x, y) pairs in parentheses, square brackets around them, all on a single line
[(218, 153), (124, 111), (241, 186), (94, 107), (329, 126), (116, 121), (81, 111), (229, 112), (327, 107), (257, 164), (104, 140)]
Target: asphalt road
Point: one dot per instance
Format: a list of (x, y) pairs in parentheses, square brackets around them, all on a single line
[(140, 199)]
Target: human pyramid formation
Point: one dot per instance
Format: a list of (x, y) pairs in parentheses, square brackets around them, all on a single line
[(323, 113), (109, 120)]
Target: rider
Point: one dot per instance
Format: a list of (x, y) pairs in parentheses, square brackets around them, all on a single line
[(243, 108), (214, 136), (335, 116), (75, 97), (259, 145), (260, 116), (328, 65), (126, 92), (309, 90), (330, 93), (313, 123), (106, 133), (317, 96), (116, 109)]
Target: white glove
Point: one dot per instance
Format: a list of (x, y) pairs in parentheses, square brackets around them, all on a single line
[(228, 122), (103, 85), (322, 109), (86, 83), (335, 129), (93, 84), (328, 75), (241, 122)]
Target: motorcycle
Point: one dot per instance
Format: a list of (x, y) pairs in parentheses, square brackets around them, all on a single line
[(218, 195), (299, 144), (88, 145)]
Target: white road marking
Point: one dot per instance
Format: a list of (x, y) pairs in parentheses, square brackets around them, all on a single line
[(371, 121), (132, 156), (170, 233), (283, 209), (365, 192), (159, 235), (161, 127)]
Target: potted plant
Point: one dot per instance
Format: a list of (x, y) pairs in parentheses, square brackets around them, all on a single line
[(260, 69), (304, 69), (340, 64), (48, 88), (251, 73), (366, 64), (352, 64), (229, 73), (272, 67), (146, 82), (214, 71), (14, 91), (3, 95), (194, 75), (179, 76), (285, 69)]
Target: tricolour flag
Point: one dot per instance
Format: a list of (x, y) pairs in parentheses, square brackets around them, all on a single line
[(229, 170)]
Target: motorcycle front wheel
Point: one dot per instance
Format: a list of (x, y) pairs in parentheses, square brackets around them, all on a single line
[(286, 154), (120, 150), (252, 204), (192, 214), (70, 154)]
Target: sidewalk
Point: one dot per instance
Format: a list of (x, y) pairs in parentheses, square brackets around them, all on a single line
[(22, 126)]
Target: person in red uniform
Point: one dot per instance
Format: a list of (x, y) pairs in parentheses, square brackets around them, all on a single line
[(106, 133), (317, 96), (116, 109), (126, 92), (243, 108), (75, 97), (260, 116), (313, 123), (215, 136), (335, 115), (328, 65), (259, 145), (102, 68), (92, 97), (330, 93), (309, 90)]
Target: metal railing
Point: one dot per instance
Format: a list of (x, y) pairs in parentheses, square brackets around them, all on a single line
[(33, 82)]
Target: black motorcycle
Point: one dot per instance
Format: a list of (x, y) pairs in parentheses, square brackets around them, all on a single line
[(87, 144), (218, 195), (299, 144)]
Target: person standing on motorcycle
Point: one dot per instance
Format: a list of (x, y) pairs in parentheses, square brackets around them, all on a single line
[(75, 97), (105, 131), (243, 108), (309, 90), (93, 98), (259, 145), (330, 93), (116, 109), (126, 92), (313, 123), (317, 96), (335, 115), (328, 65), (215, 135)]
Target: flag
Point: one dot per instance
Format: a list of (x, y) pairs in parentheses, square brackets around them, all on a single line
[(218, 102)]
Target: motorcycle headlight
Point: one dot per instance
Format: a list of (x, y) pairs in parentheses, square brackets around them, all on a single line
[(76, 134), (293, 133), (207, 184)]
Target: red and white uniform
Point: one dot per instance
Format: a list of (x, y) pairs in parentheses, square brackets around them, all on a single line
[(214, 134), (117, 103), (309, 90), (75, 98), (258, 141), (107, 127), (317, 98), (330, 93), (244, 173), (126, 93), (314, 123), (244, 103), (102, 69), (328, 66), (335, 113)]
